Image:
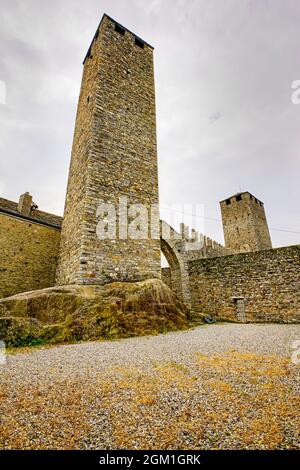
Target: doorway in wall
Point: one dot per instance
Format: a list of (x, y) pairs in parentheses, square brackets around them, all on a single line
[(240, 309)]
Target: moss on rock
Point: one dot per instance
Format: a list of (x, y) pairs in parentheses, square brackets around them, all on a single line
[(80, 313)]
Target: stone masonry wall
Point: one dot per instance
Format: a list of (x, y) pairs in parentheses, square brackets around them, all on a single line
[(266, 282), (166, 276), (114, 155), (28, 255), (179, 249), (73, 223)]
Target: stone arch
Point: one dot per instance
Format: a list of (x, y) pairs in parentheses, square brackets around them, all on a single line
[(173, 249), (174, 267)]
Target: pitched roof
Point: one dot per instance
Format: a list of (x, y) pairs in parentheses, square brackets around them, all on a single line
[(11, 208)]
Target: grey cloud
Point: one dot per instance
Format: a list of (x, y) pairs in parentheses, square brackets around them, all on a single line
[(215, 117), (235, 59)]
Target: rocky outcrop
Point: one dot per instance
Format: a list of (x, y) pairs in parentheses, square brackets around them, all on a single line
[(76, 313)]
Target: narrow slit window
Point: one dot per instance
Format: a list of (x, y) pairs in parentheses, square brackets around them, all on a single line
[(119, 29), (139, 43)]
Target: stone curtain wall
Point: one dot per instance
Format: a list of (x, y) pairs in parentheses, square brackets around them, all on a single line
[(114, 154), (28, 255), (266, 282), (179, 249)]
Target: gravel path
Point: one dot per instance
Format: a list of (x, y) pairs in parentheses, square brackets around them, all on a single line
[(220, 386)]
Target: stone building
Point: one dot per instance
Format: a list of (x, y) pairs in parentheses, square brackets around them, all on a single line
[(29, 246), (114, 160)]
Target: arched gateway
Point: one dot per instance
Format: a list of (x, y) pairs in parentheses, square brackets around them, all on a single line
[(173, 248)]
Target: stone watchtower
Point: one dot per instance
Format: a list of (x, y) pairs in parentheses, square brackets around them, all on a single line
[(245, 224), (114, 161)]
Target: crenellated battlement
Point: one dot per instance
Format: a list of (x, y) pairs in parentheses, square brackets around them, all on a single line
[(191, 243)]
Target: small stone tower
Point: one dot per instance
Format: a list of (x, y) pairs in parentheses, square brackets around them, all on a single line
[(245, 224), (114, 162)]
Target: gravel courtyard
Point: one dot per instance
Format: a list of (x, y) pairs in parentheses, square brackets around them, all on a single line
[(226, 386)]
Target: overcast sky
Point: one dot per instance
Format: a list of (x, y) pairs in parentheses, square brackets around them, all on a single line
[(225, 119)]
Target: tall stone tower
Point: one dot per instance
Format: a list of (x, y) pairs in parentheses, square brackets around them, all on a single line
[(114, 162), (245, 224)]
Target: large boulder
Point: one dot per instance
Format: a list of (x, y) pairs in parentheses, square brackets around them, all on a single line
[(76, 313)]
